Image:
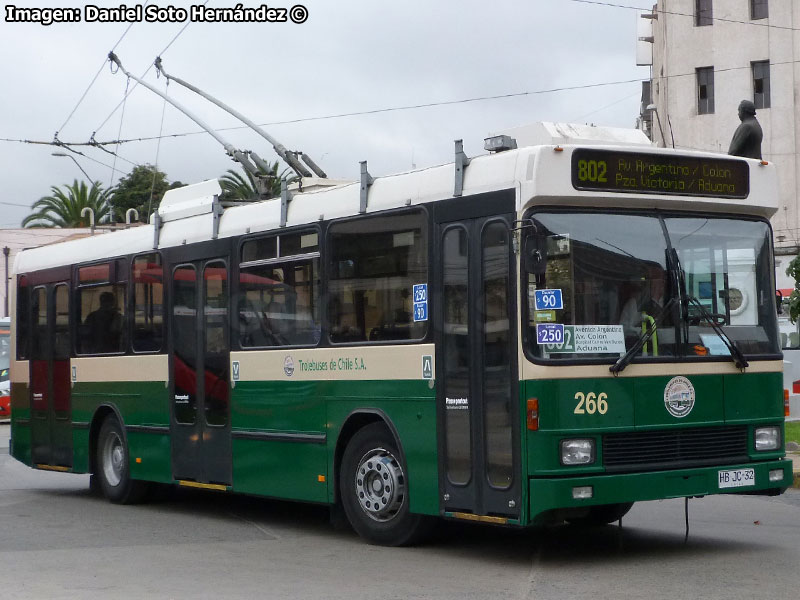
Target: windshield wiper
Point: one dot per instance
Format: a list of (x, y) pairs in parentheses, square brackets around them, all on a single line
[(736, 355), (626, 359)]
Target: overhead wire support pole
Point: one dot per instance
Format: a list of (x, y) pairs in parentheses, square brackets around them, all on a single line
[(229, 148), (288, 156)]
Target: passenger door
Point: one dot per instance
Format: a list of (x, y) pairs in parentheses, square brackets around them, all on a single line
[(201, 429), (477, 365)]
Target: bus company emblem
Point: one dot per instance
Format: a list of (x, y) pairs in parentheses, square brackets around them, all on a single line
[(288, 366), (679, 397)]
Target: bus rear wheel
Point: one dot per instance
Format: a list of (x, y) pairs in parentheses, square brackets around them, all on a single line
[(113, 471), (374, 490), (602, 515)]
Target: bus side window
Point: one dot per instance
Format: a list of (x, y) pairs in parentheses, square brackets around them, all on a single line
[(148, 303), (102, 320), (279, 291), (375, 264)]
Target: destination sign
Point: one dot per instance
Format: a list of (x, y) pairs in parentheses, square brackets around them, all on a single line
[(640, 173)]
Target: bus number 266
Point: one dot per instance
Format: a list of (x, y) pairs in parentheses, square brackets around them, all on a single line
[(591, 403)]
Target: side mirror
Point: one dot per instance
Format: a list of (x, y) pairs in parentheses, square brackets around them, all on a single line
[(534, 257)]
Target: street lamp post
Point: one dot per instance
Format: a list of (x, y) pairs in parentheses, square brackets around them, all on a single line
[(72, 158)]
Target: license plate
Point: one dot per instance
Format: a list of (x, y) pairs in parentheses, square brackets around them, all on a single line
[(736, 478)]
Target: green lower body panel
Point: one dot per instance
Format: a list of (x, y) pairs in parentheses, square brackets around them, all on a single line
[(20, 443), (282, 469), (150, 457), (80, 450), (548, 494)]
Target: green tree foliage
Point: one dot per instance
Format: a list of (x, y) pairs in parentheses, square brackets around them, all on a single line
[(63, 207), (134, 191), (793, 271), (236, 187)]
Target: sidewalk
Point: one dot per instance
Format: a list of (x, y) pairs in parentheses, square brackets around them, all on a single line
[(795, 456)]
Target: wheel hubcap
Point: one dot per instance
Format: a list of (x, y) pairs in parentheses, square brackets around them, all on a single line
[(113, 459), (380, 485)]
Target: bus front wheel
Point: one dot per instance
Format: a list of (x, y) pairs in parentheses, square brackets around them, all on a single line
[(374, 490), (113, 470)]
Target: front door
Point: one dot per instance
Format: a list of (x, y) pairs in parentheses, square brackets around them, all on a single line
[(477, 391), (201, 438), (51, 425)]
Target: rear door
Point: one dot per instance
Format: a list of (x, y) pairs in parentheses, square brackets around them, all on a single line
[(51, 426), (201, 429)]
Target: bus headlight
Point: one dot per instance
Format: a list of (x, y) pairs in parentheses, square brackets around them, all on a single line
[(577, 452), (768, 438)]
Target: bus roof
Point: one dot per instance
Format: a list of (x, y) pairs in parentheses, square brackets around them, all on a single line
[(540, 174)]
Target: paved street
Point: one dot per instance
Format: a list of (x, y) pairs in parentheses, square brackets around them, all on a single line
[(58, 541)]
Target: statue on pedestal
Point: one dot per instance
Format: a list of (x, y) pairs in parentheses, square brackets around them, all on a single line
[(747, 138)]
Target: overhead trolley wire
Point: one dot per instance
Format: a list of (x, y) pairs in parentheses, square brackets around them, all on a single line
[(445, 103), (382, 110), (136, 84), (96, 75), (158, 149)]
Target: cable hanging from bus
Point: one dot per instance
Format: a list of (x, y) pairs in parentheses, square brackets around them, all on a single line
[(546, 333)]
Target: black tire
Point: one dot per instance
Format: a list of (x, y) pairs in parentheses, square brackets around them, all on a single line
[(112, 470), (603, 514), (374, 490)]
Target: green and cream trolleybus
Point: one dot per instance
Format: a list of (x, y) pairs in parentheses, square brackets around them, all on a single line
[(544, 333)]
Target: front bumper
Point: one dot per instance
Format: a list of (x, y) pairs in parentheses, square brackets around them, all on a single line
[(548, 494)]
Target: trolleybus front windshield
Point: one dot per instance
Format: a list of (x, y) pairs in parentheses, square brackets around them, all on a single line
[(596, 283)]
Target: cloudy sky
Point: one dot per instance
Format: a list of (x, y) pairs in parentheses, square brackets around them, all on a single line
[(350, 56)]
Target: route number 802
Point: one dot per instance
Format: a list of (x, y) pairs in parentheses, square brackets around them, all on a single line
[(591, 403), (593, 170)]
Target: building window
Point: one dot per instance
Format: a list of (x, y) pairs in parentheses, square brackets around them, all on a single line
[(759, 9), (702, 13), (705, 90), (761, 84)]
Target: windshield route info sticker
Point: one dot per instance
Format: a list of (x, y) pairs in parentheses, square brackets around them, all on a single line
[(588, 339)]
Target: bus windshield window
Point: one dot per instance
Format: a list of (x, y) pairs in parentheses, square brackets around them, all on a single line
[(727, 269), (598, 283)]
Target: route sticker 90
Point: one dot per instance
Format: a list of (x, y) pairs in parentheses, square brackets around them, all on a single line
[(548, 300)]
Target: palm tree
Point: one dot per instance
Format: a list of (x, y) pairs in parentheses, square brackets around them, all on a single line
[(236, 187), (63, 207)]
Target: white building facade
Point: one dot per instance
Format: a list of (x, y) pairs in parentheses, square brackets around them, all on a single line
[(13, 241), (707, 56)]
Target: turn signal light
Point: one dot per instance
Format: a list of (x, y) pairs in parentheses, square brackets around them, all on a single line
[(533, 414), (785, 403)]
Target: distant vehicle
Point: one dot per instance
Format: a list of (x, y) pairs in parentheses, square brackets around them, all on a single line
[(790, 346), (5, 353)]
